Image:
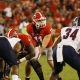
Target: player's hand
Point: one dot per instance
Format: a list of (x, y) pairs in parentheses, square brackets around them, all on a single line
[(21, 60), (18, 62), (23, 52)]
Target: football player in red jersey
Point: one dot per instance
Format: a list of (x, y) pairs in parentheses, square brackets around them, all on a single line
[(34, 63), (40, 31)]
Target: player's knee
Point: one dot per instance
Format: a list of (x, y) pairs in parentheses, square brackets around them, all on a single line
[(35, 64), (12, 63), (55, 73)]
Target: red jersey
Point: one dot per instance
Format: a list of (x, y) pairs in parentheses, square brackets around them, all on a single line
[(26, 39), (39, 35)]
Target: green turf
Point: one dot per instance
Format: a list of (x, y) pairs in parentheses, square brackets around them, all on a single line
[(67, 74)]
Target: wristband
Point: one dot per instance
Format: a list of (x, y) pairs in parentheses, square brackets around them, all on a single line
[(22, 59)]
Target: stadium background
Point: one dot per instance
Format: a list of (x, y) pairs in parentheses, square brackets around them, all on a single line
[(59, 13)]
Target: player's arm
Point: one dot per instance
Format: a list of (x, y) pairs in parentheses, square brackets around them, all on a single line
[(56, 42), (17, 49), (45, 42), (30, 53)]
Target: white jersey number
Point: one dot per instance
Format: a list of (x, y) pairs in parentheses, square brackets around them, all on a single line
[(39, 39)]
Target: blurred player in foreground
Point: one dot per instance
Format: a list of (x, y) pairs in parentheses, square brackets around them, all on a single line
[(7, 54), (67, 49), (40, 32)]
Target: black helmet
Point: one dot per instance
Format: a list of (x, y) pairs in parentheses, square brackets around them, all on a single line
[(76, 21)]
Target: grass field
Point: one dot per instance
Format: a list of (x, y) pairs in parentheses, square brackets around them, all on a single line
[(67, 74)]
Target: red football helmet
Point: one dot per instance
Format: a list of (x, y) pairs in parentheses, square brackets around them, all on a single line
[(12, 32), (39, 20)]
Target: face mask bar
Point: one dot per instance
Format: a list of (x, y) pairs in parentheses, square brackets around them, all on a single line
[(40, 23)]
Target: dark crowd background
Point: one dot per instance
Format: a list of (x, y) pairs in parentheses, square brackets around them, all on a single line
[(18, 13)]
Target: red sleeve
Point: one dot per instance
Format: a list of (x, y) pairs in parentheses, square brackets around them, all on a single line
[(33, 42), (25, 39), (48, 29)]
